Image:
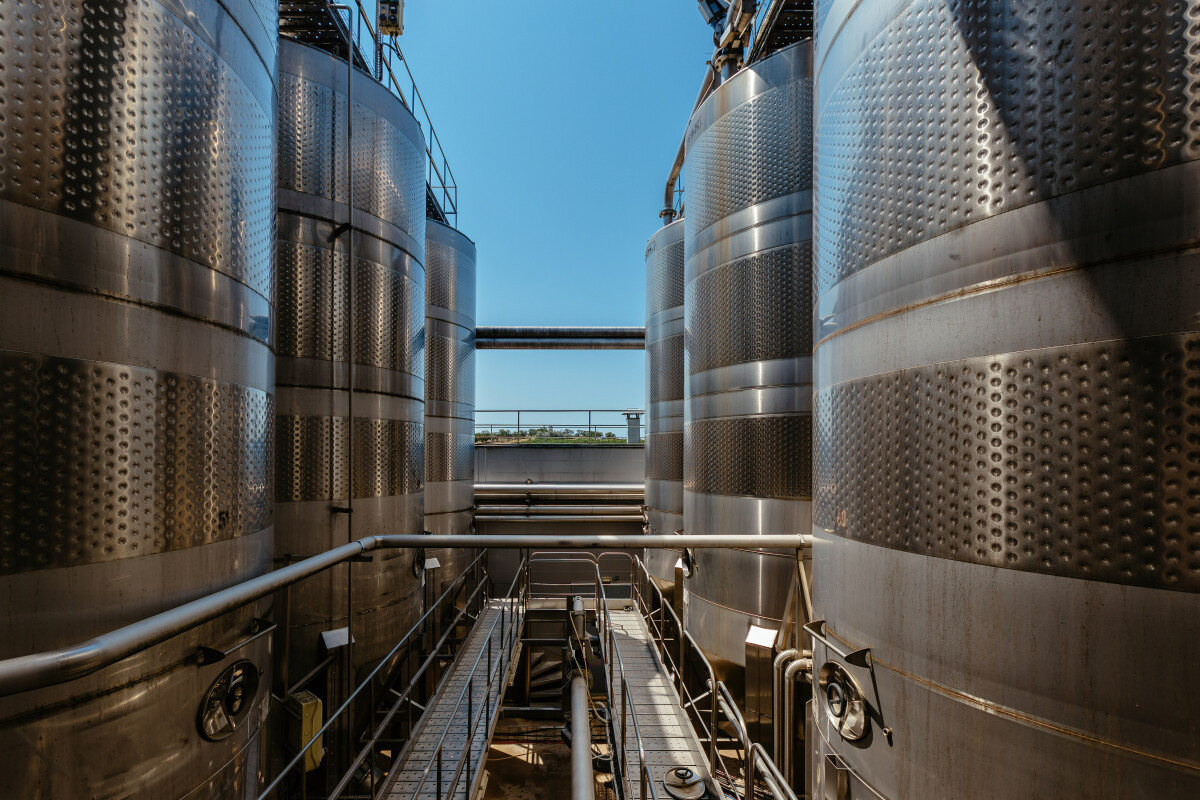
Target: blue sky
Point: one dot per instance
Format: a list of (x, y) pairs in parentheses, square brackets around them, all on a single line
[(560, 120)]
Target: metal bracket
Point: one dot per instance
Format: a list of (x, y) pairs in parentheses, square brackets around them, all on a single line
[(857, 658), (208, 655), (259, 627), (339, 230)]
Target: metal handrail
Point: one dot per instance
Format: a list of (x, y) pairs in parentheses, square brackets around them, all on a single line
[(690, 703), (519, 428), (722, 700), (447, 183), (450, 590), (609, 646), (37, 670), (771, 774), (468, 690)]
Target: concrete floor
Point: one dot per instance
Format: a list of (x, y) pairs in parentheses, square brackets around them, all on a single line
[(528, 771)]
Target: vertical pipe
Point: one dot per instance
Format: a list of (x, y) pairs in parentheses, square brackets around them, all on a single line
[(348, 682), (777, 701), (582, 783), (789, 713)]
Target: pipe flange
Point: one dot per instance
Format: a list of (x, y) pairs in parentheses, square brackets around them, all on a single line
[(684, 783)]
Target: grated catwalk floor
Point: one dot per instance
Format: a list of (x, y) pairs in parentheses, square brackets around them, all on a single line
[(416, 776), (667, 737)]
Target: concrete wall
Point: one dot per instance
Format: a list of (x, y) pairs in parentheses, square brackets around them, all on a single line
[(557, 463), (560, 463)]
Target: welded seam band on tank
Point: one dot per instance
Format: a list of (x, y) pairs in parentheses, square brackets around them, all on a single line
[(377, 245), (753, 216), (317, 221), (94, 260), (693, 597), (1018, 245), (1019, 716)]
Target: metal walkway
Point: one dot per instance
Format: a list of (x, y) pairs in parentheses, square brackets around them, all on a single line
[(666, 736), (467, 705)]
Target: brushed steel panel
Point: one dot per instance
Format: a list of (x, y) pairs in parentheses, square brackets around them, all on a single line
[(747, 340), (1007, 282), (664, 393), (450, 385), (137, 241), (103, 150), (922, 133)]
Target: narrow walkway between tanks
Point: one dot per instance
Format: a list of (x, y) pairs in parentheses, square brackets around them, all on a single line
[(667, 736), (421, 751)]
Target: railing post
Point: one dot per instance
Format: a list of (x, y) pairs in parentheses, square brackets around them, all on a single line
[(470, 733), (439, 777), (750, 773), (712, 726), (371, 762)]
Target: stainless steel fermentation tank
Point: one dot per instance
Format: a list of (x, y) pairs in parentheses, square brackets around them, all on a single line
[(351, 359), (137, 211), (747, 420), (664, 394), (1008, 501), (449, 393)]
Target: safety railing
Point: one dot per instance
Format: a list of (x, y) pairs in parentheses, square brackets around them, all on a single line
[(678, 653), (555, 425), (377, 682), (512, 612), (611, 656), (388, 60), (662, 621)]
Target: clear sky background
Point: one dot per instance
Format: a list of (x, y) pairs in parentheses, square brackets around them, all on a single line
[(560, 119)]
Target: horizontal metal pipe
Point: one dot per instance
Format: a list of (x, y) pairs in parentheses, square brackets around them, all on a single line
[(548, 338), (557, 332), (623, 497), (59, 666), (560, 518), (565, 511), (560, 344), (558, 488)]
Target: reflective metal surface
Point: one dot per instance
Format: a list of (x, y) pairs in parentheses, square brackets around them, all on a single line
[(747, 415), (351, 352), (136, 276), (664, 394), (1006, 290), (449, 391)]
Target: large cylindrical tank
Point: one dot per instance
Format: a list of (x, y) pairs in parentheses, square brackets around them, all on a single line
[(449, 393), (664, 395), (748, 421), (1007, 488), (350, 430), (137, 210)]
